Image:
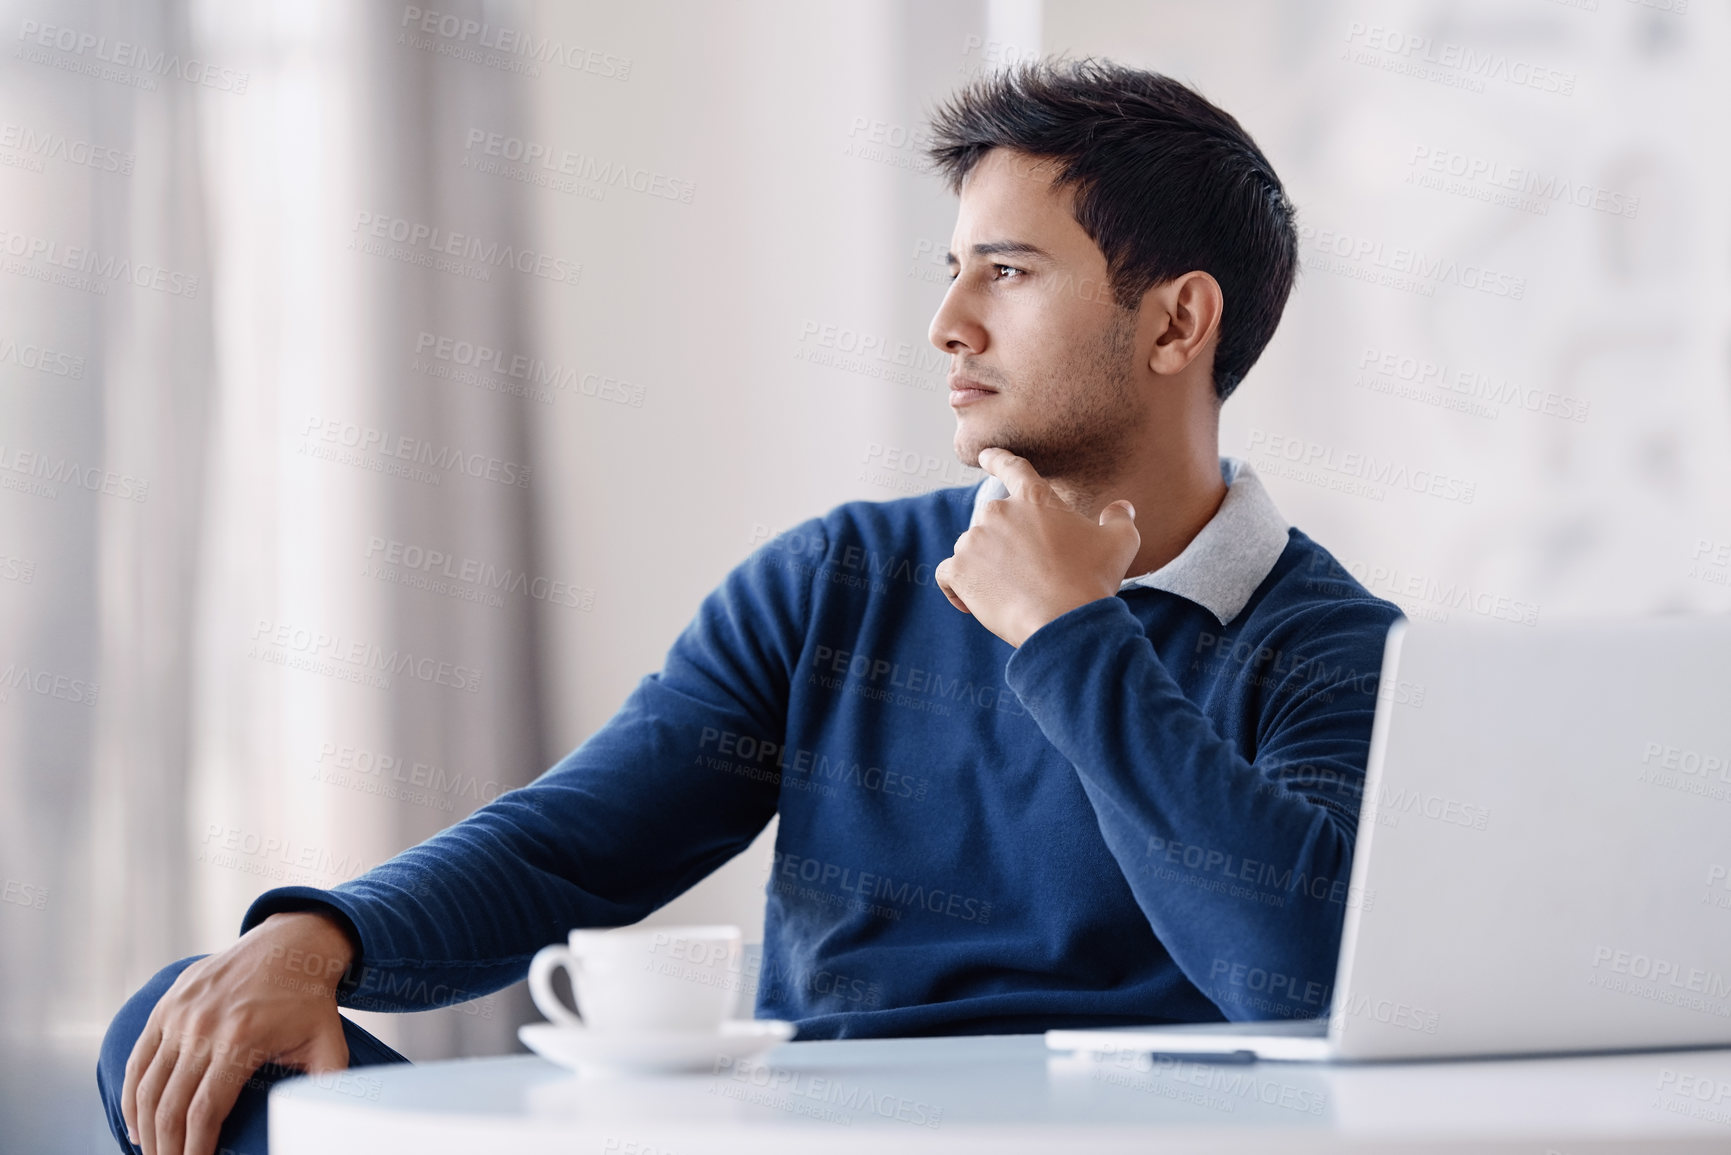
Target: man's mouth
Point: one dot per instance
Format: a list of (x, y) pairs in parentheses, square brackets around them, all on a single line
[(964, 391)]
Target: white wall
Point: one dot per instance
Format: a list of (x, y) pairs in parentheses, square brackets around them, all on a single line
[(1623, 319)]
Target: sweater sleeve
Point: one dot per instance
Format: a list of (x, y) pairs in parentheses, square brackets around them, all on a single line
[(637, 814), (1241, 867)]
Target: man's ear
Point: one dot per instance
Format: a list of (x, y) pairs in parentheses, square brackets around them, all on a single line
[(1183, 315)]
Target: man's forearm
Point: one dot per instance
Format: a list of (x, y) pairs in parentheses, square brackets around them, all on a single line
[(624, 823), (1232, 868)]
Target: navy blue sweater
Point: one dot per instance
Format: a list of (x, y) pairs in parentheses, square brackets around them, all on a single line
[(1138, 816)]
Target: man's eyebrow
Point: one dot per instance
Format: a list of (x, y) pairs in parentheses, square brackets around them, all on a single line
[(1003, 248)]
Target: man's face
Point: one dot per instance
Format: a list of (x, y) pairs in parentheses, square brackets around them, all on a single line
[(1029, 317)]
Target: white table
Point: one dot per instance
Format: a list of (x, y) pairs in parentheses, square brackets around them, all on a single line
[(1008, 1094)]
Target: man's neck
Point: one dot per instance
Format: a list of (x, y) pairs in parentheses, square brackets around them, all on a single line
[(1175, 493)]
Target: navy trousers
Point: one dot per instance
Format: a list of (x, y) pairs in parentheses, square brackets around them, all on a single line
[(243, 1133)]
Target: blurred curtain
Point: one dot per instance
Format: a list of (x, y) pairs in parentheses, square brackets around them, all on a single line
[(354, 695), (103, 524), (279, 696)]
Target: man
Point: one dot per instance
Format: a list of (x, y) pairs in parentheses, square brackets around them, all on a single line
[(1127, 770)]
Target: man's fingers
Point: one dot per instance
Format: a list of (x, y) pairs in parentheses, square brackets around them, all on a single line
[(942, 576), (1118, 512), (150, 1085), (1018, 475), (170, 1115), (143, 1051), (212, 1101), (1119, 519), (328, 1051)]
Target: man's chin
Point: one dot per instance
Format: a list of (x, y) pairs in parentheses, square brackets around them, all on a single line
[(968, 449), (970, 443)]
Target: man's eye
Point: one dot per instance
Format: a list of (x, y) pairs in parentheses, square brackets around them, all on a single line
[(1005, 268)]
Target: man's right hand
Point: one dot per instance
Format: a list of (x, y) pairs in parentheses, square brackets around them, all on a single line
[(271, 997)]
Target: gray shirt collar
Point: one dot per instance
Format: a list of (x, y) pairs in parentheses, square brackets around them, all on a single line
[(1226, 561)]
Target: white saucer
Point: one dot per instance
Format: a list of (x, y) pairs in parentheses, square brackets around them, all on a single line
[(647, 1051)]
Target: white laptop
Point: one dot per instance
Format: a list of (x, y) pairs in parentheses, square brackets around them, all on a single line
[(1542, 859)]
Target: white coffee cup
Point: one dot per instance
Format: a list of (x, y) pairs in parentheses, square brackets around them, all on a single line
[(666, 978)]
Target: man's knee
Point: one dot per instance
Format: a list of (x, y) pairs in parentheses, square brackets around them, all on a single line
[(244, 1129), (123, 1032)]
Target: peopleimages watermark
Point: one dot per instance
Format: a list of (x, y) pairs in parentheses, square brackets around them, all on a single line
[(1403, 267), (37, 146), (1303, 777), (1419, 379), (1718, 892), (1419, 595), (1447, 62), (374, 772), (1512, 186), (120, 61), (461, 38), (981, 55), (1360, 474), (633, 1147), (1268, 883), (17, 569), (237, 848), (417, 243), (813, 1096), (1392, 1013), (873, 355), (1701, 1097), (1710, 561), (1277, 668), (24, 894), (870, 892), (1660, 980), (888, 680), (390, 989), (1387, 809), (1202, 1084), (630, 1147), (910, 471), (1702, 773), (47, 473), (560, 169), (526, 376), (930, 262), (44, 683), (40, 358), (466, 578), (286, 644), (886, 142), (776, 980), (83, 268), (766, 760), (1275, 993), (403, 454), (851, 566)]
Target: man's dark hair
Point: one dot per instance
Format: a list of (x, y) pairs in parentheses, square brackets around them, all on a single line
[(1165, 183)]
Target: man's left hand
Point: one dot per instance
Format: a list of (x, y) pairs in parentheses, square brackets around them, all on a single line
[(1031, 558)]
